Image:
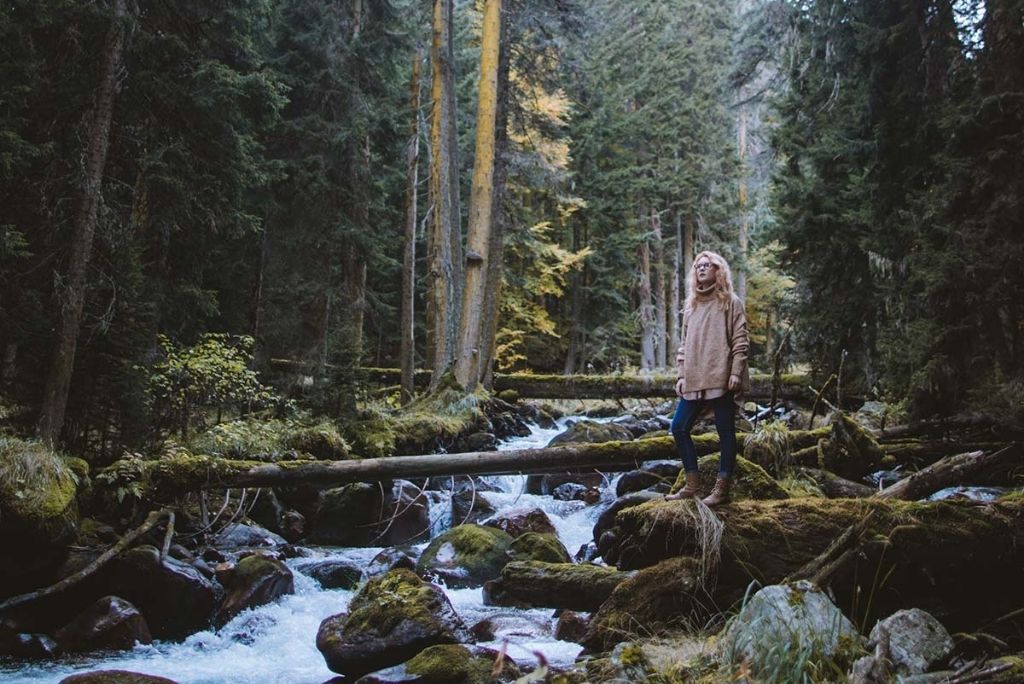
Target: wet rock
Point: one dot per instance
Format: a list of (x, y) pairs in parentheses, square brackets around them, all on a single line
[(458, 483), (469, 506), (239, 536), (547, 483), (174, 597), (518, 521), (293, 526), (540, 547), (465, 556), (797, 614), (391, 559), (586, 553), (571, 626), (115, 677), (334, 574), (110, 624), (255, 581), (570, 491), (554, 585), (656, 475), (478, 441), (607, 518), (391, 619), (591, 432), (267, 510), (359, 515), (28, 646), (504, 625)]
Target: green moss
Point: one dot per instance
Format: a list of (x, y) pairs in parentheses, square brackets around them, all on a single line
[(373, 437), (509, 395), (539, 546), (768, 446), (36, 484), (632, 655), (271, 440), (456, 664), (466, 554), (750, 481), (385, 602)]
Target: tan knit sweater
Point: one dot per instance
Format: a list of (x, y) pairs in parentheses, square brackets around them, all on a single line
[(714, 345)]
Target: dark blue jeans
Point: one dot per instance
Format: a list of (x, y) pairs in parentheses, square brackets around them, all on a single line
[(725, 423)]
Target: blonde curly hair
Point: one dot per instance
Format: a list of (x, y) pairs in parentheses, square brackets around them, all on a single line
[(723, 279)]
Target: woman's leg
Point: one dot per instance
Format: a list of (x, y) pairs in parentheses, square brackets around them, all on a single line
[(686, 416), (725, 423)]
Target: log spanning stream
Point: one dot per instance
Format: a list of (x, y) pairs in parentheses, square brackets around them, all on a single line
[(276, 643)]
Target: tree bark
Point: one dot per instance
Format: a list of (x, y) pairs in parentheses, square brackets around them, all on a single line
[(71, 294), (675, 303), (740, 269), (478, 240), (646, 309), (660, 306), (961, 469), (407, 353), (444, 243)]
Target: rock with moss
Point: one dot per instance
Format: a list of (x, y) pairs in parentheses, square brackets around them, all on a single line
[(115, 677), (110, 624), (391, 619), (520, 520), (783, 628), (465, 556), (592, 432), (255, 580), (321, 440), (554, 585), (750, 481), (372, 437), (38, 489), (605, 536), (461, 665), (539, 546)]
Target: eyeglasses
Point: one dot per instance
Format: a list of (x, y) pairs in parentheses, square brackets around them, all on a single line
[(704, 265)]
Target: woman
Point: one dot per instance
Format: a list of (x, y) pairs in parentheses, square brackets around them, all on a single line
[(712, 371)]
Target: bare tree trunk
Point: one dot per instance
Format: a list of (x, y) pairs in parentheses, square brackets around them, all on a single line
[(675, 303), (443, 245), (688, 253), (660, 306), (740, 272), (407, 353), (492, 296), (481, 201), (71, 294), (646, 309), (575, 304)]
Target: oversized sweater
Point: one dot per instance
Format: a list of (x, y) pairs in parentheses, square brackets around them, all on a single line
[(714, 345)]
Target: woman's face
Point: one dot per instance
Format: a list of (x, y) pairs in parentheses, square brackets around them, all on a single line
[(706, 271)]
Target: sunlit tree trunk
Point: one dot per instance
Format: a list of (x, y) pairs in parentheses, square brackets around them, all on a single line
[(740, 272), (407, 353), (71, 292), (478, 239)]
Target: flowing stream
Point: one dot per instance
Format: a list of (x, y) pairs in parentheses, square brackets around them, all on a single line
[(276, 643)]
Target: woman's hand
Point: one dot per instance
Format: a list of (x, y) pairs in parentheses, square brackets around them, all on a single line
[(734, 383), (679, 387)]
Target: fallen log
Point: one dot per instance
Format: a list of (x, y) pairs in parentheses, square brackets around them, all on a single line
[(973, 467), (186, 472), (958, 561)]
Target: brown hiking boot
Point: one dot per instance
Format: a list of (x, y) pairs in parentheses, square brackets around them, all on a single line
[(689, 490), (720, 494)]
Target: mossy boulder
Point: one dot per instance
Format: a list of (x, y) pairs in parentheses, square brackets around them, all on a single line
[(271, 440), (392, 618), (554, 585), (461, 665), (39, 516), (750, 481), (592, 432), (372, 437), (321, 440), (115, 677), (466, 555), (538, 546), (255, 580)]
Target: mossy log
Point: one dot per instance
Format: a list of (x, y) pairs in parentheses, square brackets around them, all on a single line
[(554, 585), (959, 561), (970, 468), (182, 473), (794, 386)]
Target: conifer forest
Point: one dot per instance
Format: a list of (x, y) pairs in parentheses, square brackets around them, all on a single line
[(369, 340)]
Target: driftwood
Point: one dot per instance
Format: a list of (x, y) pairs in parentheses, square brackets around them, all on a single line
[(123, 543), (178, 474), (967, 468)]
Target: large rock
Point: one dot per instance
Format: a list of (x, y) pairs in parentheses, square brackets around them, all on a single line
[(554, 585), (391, 619), (469, 506), (358, 515), (333, 573), (539, 547), (606, 521), (518, 521), (913, 641), (658, 475), (255, 580), (591, 432), (115, 677), (547, 483), (241, 536), (175, 598), (110, 624), (448, 663), (788, 621), (26, 646), (465, 556)]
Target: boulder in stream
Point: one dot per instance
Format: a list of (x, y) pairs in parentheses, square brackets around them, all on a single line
[(554, 585), (115, 677), (466, 555), (592, 432), (255, 580), (540, 547), (333, 573), (110, 624), (392, 618), (362, 514), (448, 663), (518, 521), (242, 536)]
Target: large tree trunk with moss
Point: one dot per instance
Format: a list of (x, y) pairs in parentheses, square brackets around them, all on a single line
[(407, 355), (469, 352), (925, 555), (444, 244), (71, 290)]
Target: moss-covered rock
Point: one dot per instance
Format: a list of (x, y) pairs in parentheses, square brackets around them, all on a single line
[(460, 665), (392, 618), (256, 580), (518, 521), (750, 481), (372, 437), (591, 432), (539, 546), (554, 585), (465, 556), (271, 440)]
